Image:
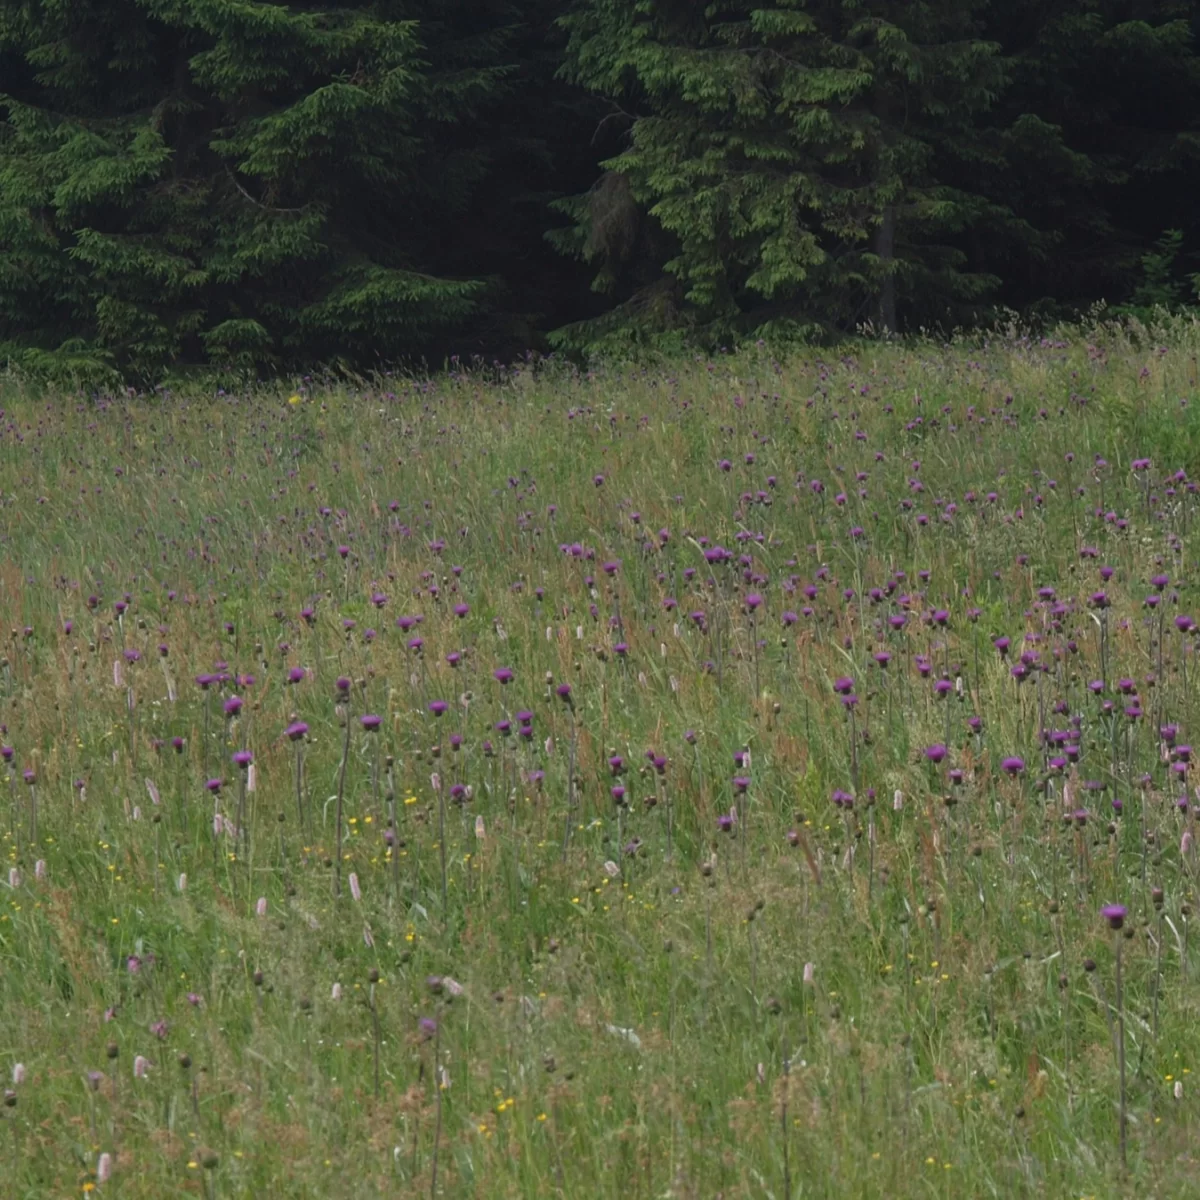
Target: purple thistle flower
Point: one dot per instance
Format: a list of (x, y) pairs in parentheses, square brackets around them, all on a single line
[(242, 759), (438, 707), (296, 730), (370, 722), (503, 675), (1114, 914), (1013, 765)]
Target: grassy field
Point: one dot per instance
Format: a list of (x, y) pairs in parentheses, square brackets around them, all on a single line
[(700, 781)]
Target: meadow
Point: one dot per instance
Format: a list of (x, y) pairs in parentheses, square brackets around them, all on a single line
[(744, 776)]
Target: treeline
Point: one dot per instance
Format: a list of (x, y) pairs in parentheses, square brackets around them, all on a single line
[(275, 186)]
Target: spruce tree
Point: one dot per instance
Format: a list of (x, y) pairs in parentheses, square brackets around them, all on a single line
[(1093, 145), (788, 155), (238, 182)]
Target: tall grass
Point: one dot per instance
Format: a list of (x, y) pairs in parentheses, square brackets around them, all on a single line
[(712, 925)]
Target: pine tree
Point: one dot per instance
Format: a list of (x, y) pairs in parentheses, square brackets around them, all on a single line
[(238, 182), (1093, 145), (788, 154)]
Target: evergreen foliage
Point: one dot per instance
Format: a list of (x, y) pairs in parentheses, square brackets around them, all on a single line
[(820, 163), (243, 183), (271, 186)]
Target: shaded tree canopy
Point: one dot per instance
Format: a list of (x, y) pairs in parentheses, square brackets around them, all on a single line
[(275, 186)]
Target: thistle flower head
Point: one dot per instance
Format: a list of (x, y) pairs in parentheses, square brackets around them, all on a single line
[(1114, 914)]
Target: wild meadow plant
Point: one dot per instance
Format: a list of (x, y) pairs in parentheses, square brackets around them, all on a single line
[(521, 834)]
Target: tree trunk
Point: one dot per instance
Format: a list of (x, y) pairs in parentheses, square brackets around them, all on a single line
[(885, 250)]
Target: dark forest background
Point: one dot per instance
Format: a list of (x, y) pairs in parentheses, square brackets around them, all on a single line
[(275, 187)]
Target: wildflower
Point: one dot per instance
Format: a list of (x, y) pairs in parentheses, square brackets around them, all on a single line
[(141, 1064), (335, 993), (1013, 765), (18, 1074), (104, 1167), (296, 730), (260, 907), (1114, 914), (355, 890), (370, 722)]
